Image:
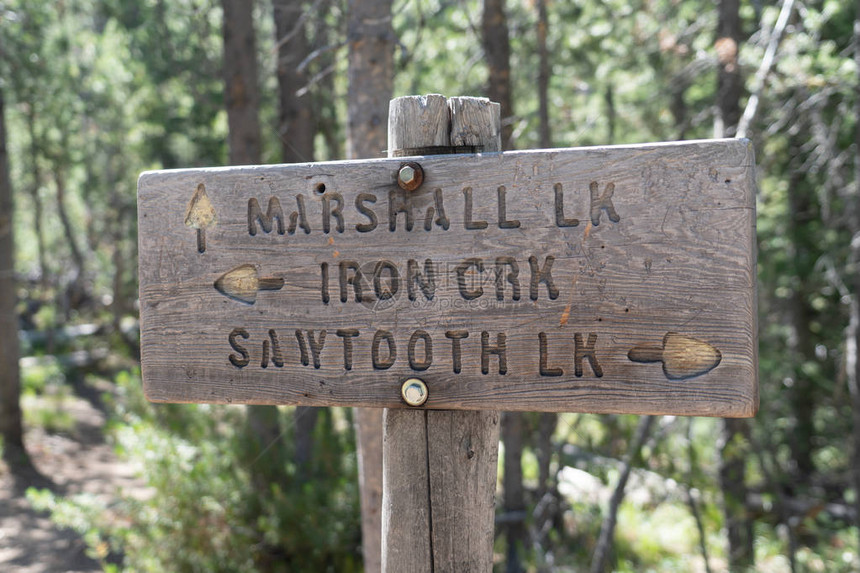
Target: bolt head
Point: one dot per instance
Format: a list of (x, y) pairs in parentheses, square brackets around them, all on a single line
[(410, 176), (407, 174), (414, 392)]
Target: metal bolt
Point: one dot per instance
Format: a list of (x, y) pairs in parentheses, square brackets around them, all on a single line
[(414, 392), (407, 174), (410, 176)]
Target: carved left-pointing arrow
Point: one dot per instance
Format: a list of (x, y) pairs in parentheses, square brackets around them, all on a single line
[(243, 283), (199, 215)]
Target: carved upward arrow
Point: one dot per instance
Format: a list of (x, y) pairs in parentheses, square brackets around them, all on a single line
[(682, 357), (243, 282), (199, 215)]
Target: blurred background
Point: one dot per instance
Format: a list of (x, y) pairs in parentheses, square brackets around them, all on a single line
[(92, 92)]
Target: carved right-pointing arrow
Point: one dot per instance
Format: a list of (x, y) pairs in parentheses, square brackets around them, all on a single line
[(243, 282), (682, 357)]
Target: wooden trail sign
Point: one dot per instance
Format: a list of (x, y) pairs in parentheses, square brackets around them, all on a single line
[(603, 279)]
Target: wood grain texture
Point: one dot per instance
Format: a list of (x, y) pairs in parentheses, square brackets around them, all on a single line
[(675, 253), (475, 122), (416, 122), (463, 448), (368, 433), (439, 479), (444, 523), (406, 510)]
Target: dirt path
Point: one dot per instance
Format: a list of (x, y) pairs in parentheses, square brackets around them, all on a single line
[(72, 463)]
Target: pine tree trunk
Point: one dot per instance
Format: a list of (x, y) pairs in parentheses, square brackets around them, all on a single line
[(801, 395), (242, 98), (10, 386), (512, 484), (853, 342), (729, 81), (295, 115), (296, 131), (325, 94), (497, 51), (611, 113), (371, 79), (733, 453), (37, 201), (547, 422), (75, 293), (543, 75), (734, 444), (241, 94)]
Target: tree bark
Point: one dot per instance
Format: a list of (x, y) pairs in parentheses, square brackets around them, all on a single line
[(305, 422), (325, 108), (265, 451), (678, 89), (10, 384), (734, 447), (512, 484), (37, 200), (783, 510), (296, 131), (801, 395), (543, 76), (729, 81), (734, 444), (607, 529), (497, 50), (611, 113), (76, 287), (118, 260), (853, 334), (371, 81), (371, 76), (546, 511), (547, 422), (295, 114), (65, 221), (241, 94), (242, 98)]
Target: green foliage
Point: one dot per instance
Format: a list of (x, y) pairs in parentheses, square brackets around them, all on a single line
[(49, 412), (100, 90), (202, 512), (79, 514), (46, 396), (38, 377)]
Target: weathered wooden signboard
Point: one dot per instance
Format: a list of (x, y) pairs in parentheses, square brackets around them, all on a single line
[(604, 279)]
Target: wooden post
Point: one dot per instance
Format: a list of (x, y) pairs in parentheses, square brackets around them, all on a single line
[(439, 468)]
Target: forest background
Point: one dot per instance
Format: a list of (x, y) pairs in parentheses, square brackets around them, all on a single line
[(93, 92)]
